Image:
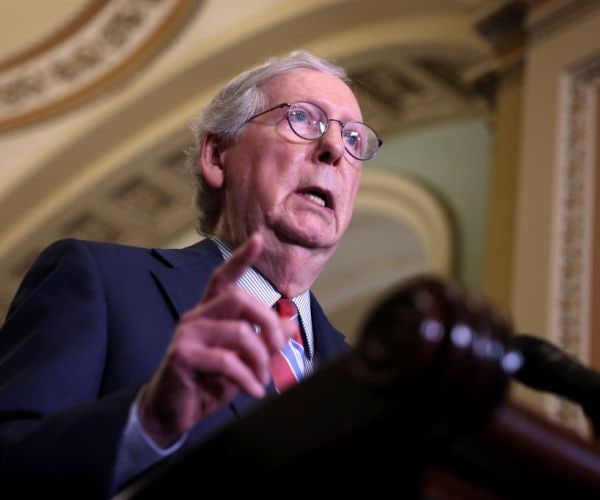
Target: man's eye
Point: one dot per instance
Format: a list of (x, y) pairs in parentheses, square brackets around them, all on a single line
[(299, 116), (353, 139)]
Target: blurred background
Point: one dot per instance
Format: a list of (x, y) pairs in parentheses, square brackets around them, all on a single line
[(488, 110)]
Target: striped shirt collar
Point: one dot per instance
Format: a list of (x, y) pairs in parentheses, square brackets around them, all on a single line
[(256, 285)]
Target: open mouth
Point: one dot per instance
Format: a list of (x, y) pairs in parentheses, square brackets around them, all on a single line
[(317, 196)]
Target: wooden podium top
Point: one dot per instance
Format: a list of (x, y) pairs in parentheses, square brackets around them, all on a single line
[(516, 454)]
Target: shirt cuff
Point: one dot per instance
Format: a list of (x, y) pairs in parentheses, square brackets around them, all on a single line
[(137, 451)]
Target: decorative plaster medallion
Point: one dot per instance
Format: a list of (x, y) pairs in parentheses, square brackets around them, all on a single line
[(106, 46)]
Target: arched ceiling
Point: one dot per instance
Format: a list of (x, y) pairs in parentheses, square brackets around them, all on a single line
[(99, 156), (47, 24), (85, 48)]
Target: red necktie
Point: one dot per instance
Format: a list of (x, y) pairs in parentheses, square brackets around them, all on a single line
[(287, 364)]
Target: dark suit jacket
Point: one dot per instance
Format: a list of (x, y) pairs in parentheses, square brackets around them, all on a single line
[(88, 326)]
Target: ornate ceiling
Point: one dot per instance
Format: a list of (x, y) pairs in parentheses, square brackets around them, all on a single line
[(49, 68), (95, 98)]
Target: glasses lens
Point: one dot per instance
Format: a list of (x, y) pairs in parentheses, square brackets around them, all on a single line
[(307, 120), (360, 140)]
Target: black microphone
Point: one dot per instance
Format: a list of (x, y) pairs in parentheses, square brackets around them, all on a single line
[(546, 367)]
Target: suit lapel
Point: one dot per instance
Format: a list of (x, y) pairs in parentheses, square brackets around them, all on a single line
[(185, 273), (328, 341)]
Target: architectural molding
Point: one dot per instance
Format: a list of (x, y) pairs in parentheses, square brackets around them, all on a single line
[(407, 202), (546, 19), (113, 39), (572, 267), (91, 9)]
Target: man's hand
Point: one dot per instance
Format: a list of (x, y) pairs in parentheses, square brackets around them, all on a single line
[(215, 352)]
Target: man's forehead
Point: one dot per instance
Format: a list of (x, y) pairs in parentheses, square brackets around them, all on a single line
[(324, 89)]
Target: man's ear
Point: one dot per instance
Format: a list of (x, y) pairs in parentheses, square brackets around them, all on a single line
[(211, 161)]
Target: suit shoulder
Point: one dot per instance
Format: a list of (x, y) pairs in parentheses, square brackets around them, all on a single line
[(75, 255), (95, 248), (134, 256)]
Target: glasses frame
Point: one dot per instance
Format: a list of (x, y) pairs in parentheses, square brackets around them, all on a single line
[(342, 125)]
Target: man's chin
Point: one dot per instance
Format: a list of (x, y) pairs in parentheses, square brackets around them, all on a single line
[(310, 239)]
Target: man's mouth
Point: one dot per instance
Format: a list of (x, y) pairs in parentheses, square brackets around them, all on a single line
[(319, 197)]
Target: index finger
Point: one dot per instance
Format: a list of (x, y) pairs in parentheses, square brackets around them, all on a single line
[(228, 273)]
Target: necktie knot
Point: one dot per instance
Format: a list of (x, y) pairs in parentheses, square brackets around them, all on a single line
[(286, 308), (287, 365)]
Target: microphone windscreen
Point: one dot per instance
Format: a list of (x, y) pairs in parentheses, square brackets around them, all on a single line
[(548, 368)]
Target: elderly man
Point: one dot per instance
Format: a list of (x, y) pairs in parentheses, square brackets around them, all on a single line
[(113, 357)]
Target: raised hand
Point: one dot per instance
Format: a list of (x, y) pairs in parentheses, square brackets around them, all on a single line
[(215, 352)]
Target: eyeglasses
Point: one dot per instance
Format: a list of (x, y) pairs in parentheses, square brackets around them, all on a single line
[(309, 121)]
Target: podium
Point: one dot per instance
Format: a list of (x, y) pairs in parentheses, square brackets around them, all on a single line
[(417, 410)]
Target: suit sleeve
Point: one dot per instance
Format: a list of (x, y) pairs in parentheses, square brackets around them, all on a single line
[(57, 435)]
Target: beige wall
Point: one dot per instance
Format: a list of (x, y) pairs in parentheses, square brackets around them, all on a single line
[(554, 222)]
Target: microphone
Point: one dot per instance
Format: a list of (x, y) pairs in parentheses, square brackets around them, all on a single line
[(546, 367)]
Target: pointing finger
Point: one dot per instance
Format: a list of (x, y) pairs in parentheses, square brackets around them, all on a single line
[(228, 273)]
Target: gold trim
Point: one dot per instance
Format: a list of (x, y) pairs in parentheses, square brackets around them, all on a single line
[(571, 306), (168, 28), (53, 40)]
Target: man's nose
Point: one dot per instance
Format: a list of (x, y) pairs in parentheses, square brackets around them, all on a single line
[(331, 144)]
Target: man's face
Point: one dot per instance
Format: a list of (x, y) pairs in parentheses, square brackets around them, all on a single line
[(292, 190)]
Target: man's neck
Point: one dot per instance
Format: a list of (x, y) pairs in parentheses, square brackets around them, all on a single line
[(290, 268)]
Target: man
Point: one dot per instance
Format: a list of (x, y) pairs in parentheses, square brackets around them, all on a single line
[(113, 357)]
